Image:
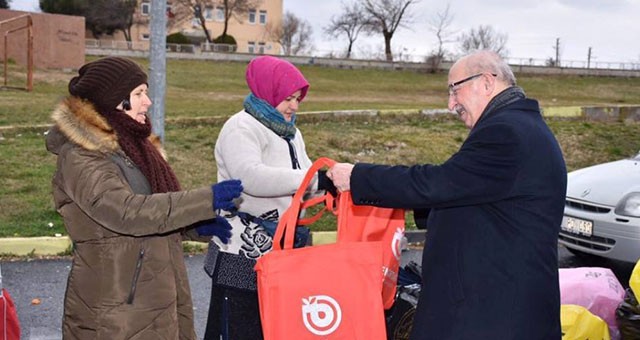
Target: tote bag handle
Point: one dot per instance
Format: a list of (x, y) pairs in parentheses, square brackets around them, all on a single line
[(290, 219)]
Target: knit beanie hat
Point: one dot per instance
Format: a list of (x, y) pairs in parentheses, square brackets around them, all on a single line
[(273, 80), (107, 82)]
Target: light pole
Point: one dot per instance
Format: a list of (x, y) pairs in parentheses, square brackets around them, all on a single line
[(158, 65)]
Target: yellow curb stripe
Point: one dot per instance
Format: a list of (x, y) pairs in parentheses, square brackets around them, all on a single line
[(34, 245), (20, 246)]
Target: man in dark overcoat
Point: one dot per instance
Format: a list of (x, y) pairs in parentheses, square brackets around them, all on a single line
[(490, 261)]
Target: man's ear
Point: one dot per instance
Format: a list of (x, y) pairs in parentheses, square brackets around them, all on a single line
[(489, 84)]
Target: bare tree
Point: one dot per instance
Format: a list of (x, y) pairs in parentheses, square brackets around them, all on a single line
[(349, 23), (188, 9), (198, 9), (439, 24), (237, 9), (294, 35), (121, 15), (177, 14), (386, 16), (484, 38)]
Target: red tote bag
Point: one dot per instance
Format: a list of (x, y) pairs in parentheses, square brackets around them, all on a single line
[(330, 291), (363, 223)]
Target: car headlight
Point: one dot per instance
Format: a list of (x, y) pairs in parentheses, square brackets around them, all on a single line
[(629, 205)]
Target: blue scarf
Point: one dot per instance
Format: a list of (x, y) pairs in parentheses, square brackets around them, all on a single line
[(270, 117)]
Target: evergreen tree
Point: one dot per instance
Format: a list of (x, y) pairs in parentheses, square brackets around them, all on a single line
[(101, 16), (68, 7)]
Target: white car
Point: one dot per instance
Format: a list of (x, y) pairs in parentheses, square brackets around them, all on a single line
[(602, 211)]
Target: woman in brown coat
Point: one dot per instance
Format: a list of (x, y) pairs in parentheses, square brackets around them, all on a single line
[(124, 210)]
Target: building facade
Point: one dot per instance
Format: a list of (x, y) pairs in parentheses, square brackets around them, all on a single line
[(253, 31)]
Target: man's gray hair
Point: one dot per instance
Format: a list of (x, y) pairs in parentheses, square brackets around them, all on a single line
[(489, 61)]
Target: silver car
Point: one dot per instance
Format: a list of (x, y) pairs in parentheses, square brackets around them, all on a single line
[(602, 211)]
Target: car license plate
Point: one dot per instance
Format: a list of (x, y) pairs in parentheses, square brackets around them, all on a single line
[(577, 226)]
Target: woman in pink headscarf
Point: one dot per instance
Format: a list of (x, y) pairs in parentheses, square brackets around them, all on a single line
[(261, 146)]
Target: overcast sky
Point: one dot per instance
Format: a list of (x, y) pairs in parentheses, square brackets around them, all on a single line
[(610, 27)]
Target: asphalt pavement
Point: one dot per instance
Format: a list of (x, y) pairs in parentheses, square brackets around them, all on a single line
[(45, 281), (37, 288)]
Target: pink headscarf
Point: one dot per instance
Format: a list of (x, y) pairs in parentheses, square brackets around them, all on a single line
[(273, 80)]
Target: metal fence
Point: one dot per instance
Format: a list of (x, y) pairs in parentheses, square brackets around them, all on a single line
[(221, 51), (605, 65), (117, 44), (208, 47), (144, 46)]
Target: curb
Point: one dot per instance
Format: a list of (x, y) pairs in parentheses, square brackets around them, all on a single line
[(49, 246), (34, 245)]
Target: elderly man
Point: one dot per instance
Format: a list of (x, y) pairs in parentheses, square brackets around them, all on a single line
[(490, 268)]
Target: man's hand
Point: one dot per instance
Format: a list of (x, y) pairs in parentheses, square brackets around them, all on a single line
[(340, 174)]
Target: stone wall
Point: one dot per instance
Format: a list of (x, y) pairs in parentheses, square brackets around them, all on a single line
[(612, 113)]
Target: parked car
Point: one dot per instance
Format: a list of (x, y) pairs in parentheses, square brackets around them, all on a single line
[(602, 211)]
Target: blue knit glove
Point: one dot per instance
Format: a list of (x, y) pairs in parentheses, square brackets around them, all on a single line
[(225, 192), (218, 227)]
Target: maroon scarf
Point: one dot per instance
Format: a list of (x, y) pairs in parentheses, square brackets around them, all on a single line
[(134, 141)]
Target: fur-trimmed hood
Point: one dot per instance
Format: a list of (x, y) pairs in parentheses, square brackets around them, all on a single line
[(121, 232), (76, 120)]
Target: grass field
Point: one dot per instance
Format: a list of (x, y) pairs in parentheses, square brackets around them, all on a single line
[(201, 94)]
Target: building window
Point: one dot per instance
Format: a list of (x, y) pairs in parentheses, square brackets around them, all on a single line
[(208, 13), (220, 14), (251, 47), (145, 7), (145, 36), (263, 17), (252, 16), (261, 48)]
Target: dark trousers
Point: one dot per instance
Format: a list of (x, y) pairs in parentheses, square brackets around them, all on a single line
[(234, 314)]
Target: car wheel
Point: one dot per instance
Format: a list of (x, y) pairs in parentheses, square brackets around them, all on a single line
[(400, 324)]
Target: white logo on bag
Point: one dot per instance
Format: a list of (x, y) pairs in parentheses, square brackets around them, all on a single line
[(396, 243), (321, 314)]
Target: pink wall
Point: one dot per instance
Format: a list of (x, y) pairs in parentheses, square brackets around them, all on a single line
[(58, 40)]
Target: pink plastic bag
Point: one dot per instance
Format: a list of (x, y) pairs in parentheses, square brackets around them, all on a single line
[(596, 289)]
